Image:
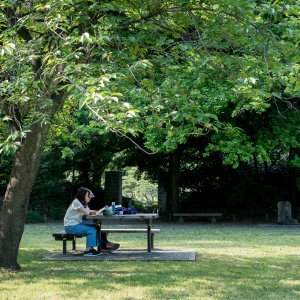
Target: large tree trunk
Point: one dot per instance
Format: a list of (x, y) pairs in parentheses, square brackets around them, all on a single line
[(292, 184), (15, 203), (172, 201)]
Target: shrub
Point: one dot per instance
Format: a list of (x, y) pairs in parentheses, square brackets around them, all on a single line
[(34, 217), (56, 213), (144, 207), (139, 206)]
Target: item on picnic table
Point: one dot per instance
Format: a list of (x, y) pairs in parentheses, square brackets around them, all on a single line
[(131, 210)]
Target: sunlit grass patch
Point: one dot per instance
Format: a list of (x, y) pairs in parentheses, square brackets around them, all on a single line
[(233, 262)]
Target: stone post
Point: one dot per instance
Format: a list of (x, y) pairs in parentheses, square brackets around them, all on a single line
[(161, 195), (113, 187), (284, 213)]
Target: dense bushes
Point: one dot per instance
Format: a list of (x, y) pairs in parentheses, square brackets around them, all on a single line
[(34, 217)]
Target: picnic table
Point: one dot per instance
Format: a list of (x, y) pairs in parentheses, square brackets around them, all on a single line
[(146, 218)]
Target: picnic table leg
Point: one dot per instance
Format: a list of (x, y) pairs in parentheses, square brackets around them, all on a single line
[(149, 242), (152, 241), (99, 235), (64, 246)]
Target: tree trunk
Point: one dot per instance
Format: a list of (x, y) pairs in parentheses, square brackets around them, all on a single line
[(292, 184), (172, 200), (15, 203)]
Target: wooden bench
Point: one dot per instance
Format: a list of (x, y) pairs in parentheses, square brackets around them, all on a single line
[(213, 216), (62, 236)]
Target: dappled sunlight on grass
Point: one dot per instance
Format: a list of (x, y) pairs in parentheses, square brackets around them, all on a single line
[(253, 251), (290, 282), (233, 262)]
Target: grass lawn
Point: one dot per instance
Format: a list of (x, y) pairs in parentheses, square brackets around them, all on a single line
[(233, 262)]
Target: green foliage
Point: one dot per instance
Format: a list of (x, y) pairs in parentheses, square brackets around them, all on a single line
[(136, 186), (166, 70), (45, 52), (198, 64), (140, 206), (234, 151)]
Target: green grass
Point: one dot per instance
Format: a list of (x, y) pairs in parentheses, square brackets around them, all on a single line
[(233, 262)]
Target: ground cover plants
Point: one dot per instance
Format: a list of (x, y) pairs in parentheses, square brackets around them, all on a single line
[(234, 261)]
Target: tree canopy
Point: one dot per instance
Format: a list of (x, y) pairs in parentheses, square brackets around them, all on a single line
[(168, 69)]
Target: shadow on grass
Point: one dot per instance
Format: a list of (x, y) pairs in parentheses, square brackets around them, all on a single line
[(212, 277), (233, 262)]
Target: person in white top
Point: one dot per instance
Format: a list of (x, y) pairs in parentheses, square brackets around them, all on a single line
[(73, 223)]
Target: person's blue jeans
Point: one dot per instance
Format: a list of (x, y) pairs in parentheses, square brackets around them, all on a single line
[(88, 230)]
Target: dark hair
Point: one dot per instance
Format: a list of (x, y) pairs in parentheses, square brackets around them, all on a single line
[(80, 195)]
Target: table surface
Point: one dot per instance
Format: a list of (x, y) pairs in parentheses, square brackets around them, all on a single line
[(123, 217)]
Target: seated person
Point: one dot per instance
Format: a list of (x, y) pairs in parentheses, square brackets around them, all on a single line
[(73, 223)]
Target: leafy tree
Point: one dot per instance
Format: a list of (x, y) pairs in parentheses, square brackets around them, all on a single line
[(178, 65), (135, 185), (46, 58)]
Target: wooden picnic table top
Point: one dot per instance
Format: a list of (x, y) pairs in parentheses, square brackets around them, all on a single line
[(101, 217)]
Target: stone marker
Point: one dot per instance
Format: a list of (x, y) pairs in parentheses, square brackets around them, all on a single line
[(285, 213)]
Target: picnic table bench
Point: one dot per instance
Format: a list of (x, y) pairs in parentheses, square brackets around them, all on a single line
[(64, 237), (213, 216)]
